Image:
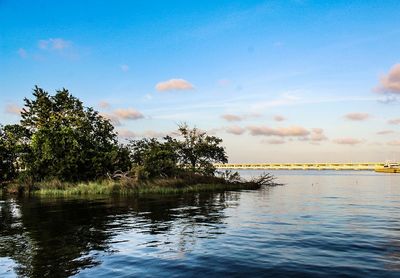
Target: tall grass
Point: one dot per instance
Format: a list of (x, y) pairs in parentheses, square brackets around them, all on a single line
[(129, 186)]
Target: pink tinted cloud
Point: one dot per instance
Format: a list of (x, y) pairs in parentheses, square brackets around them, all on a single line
[(384, 132), (394, 121), (13, 109), (174, 84), (318, 135), (232, 118), (279, 118), (390, 83), (348, 141), (236, 130), (113, 118), (357, 116), (293, 131), (104, 104), (128, 114), (274, 141), (394, 143)]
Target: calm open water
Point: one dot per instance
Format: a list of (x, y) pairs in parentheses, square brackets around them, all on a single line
[(327, 224)]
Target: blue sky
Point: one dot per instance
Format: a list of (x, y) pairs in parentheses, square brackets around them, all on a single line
[(279, 81)]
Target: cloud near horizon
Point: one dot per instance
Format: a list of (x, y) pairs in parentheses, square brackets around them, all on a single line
[(357, 116), (279, 118), (348, 141), (238, 118), (394, 143), (236, 130), (390, 83), (126, 133), (293, 131), (394, 121), (384, 132), (274, 141), (174, 84)]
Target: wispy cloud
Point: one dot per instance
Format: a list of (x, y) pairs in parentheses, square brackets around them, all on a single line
[(22, 53), (274, 141), (293, 131), (174, 84), (128, 114), (357, 116), (394, 143), (104, 104), (124, 68), (54, 44), (237, 118), (126, 133), (113, 118), (236, 130), (13, 109), (232, 118), (348, 141), (317, 135), (390, 83), (279, 118), (394, 121), (384, 132)]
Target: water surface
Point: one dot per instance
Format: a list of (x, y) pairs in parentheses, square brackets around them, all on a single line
[(321, 223)]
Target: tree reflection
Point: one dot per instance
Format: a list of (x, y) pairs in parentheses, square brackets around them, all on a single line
[(59, 237)]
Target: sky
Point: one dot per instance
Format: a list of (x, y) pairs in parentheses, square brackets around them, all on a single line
[(278, 81)]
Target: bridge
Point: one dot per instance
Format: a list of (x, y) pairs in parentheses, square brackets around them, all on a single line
[(301, 166)]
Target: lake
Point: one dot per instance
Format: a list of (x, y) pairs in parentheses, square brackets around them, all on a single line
[(320, 223)]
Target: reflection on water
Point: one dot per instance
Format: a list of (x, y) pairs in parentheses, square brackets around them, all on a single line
[(319, 223)]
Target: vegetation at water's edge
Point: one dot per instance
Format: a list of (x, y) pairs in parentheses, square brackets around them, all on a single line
[(62, 147)]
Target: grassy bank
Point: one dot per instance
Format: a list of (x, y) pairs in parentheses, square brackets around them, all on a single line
[(128, 186)]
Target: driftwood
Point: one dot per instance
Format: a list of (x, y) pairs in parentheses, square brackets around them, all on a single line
[(265, 179)]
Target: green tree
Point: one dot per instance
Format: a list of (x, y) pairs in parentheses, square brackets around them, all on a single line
[(14, 149), (69, 141), (192, 152), (198, 151), (156, 159)]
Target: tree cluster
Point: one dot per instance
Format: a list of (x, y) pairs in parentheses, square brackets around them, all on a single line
[(192, 151), (59, 138)]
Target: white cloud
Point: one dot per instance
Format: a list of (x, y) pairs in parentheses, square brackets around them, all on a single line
[(174, 84), (54, 44)]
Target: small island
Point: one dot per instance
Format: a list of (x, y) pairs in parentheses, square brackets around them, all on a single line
[(60, 147)]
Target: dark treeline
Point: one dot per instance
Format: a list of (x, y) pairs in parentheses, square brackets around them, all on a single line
[(59, 138)]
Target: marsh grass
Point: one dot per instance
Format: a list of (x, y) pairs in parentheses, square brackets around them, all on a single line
[(129, 186)]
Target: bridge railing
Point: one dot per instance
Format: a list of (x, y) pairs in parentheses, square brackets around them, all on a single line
[(302, 166)]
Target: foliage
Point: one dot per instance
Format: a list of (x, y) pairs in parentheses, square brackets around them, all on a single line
[(154, 158), (193, 152), (13, 149), (66, 140), (198, 151)]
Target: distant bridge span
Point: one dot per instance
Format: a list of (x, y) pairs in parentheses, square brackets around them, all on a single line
[(301, 166)]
